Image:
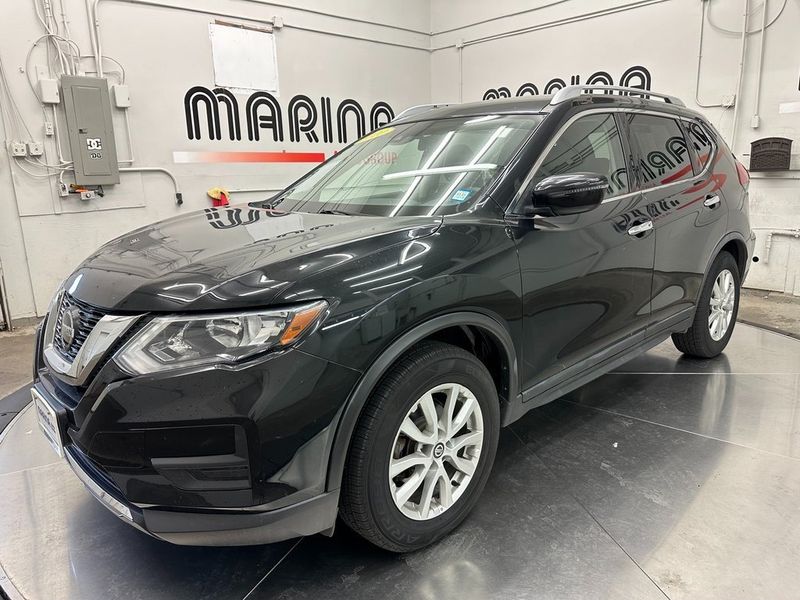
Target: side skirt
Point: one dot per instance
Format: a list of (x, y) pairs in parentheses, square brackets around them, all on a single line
[(584, 372)]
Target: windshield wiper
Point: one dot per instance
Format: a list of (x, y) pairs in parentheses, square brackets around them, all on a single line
[(329, 211)]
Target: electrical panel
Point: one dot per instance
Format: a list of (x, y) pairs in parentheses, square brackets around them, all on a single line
[(87, 106)]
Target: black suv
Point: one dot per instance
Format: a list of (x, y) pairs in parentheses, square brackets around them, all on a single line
[(353, 345)]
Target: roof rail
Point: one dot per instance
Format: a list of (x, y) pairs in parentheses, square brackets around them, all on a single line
[(420, 108), (573, 91)]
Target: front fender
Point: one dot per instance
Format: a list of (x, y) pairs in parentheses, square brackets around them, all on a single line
[(351, 411), (385, 300)]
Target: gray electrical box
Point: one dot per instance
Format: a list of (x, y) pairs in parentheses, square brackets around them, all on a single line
[(91, 132)]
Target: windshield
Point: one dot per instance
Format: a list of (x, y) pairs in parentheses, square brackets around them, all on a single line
[(424, 168)]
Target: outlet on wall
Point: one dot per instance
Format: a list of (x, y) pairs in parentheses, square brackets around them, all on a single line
[(19, 149), (35, 149)]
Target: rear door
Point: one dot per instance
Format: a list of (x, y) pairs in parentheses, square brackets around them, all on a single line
[(683, 199), (586, 280)]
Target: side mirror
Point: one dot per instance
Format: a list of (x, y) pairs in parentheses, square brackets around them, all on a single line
[(569, 194)]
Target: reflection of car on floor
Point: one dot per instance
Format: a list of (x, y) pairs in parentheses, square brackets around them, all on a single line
[(353, 345)]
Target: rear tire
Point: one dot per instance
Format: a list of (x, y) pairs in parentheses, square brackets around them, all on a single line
[(447, 452), (716, 312)]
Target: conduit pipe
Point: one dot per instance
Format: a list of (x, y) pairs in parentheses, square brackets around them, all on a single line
[(757, 99), (342, 17), (737, 100), (94, 27), (499, 17), (167, 172), (93, 8), (792, 233), (348, 36), (555, 23), (5, 309), (700, 60)]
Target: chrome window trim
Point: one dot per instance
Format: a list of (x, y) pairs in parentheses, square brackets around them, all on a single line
[(99, 341), (529, 178), (621, 197)]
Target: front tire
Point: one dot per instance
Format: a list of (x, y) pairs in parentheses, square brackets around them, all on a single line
[(716, 312), (422, 450)]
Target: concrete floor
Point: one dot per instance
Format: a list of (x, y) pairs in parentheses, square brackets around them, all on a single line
[(16, 352), (773, 310), (668, 478)]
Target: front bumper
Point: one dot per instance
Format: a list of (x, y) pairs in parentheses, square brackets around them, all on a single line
[(211, 528), (215, 456)]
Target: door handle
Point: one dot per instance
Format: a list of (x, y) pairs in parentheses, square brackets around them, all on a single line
[(640, 228), (711, 201)]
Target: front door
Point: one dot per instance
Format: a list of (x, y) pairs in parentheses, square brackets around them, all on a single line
[(688, 211), (586, 278)]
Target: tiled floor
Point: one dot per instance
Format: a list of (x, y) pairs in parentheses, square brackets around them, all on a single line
[(669, 477)]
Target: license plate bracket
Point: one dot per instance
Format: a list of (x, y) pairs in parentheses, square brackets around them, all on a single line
[(48, 422)]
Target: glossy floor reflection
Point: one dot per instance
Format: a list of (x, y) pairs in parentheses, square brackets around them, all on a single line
[(670, 477)]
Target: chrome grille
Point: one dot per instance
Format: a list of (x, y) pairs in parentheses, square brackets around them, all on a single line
[(88, 318)]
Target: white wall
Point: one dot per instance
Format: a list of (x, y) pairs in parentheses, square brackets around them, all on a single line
[(165, 52), (663, 36)]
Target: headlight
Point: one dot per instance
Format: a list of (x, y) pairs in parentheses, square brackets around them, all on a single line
[(173, 342)]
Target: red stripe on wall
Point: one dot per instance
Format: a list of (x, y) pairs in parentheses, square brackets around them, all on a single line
[(248, 157)]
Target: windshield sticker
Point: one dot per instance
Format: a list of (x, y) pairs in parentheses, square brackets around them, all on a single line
[(381, 158), (461, 196), (375, 134)]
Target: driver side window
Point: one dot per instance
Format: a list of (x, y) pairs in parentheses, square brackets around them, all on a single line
[(590, 145)]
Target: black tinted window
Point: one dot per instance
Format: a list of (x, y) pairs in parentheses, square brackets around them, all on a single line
[(701, 142), (590, 145), (664, 155)]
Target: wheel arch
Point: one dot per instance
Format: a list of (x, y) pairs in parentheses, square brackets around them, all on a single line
[(435, 328), (733, 243), (738, 249)]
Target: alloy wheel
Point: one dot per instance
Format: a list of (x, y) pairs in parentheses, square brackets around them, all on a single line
[(723, 300), (436, 451)]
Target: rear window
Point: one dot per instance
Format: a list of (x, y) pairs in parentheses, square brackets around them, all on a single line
[(664, 154), (702, 142)]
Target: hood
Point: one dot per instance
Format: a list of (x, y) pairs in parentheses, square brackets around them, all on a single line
[(229, 258)]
